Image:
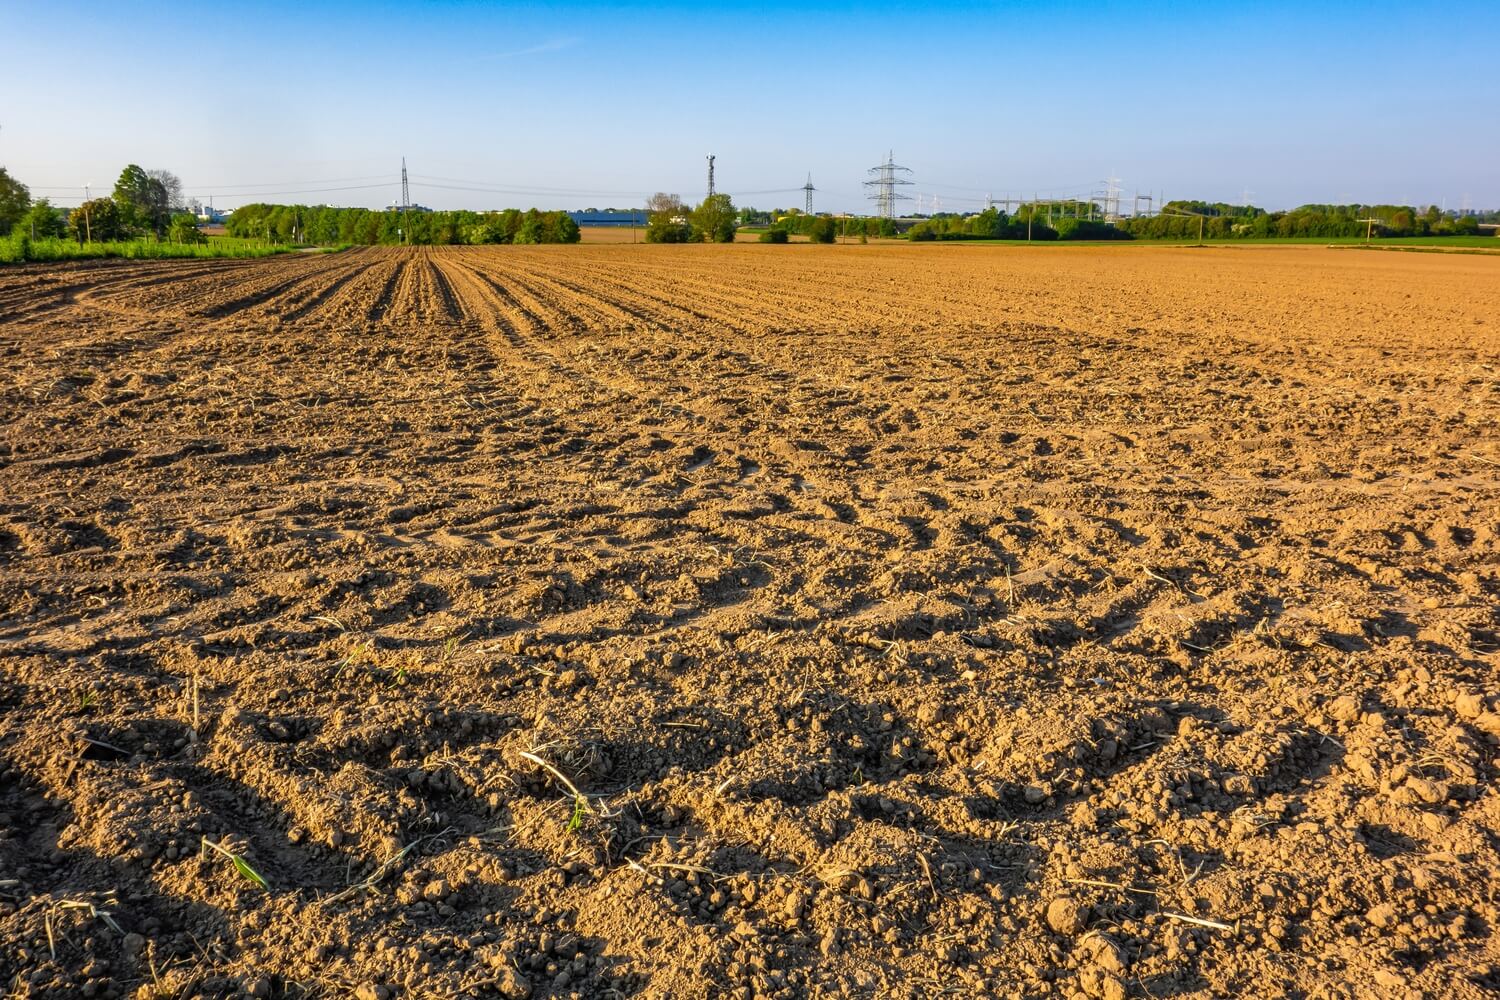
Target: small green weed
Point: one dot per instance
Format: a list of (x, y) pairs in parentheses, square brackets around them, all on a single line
[(361, 655), (240, 864), (575, 823)]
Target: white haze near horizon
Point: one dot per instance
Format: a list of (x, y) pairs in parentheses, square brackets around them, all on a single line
[(595, 106)]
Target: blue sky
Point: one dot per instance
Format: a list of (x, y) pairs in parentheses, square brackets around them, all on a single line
[(574, 105)]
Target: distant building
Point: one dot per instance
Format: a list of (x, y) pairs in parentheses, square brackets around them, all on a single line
[(631, 218)]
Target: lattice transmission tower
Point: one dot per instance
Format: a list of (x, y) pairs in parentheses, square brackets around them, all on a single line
[(1112, 193), (809, 189), (405, 228), (883, 186), (710, 175)]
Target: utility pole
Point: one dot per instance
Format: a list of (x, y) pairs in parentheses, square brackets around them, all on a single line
[(809, 189), (710, 175), (88, 227)]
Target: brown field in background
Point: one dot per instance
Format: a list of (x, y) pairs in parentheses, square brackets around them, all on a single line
[(612, 234), (751, 621)]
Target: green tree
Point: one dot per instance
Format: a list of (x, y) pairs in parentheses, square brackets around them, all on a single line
[(714, 221), (99, 220), (531, 228), (561, 228), (143, 200), (184, 229), (41, 221), (822, 230), (15, 198), (773, 236), (1465, 225), (666, 219), (988, 224)]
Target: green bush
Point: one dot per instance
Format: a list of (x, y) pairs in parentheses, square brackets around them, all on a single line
[(1085, 229), (41, 221), (922, 232), (667, 231), (184, 229), (773, 236), (822, 230)]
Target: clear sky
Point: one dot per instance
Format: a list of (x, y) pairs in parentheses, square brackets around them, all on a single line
[(576, 105)]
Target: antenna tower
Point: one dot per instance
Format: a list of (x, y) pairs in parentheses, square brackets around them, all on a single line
[(405, 188), (808, 187), (710, 175), (883, 186)]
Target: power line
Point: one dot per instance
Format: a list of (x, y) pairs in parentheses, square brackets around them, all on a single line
[(746, 194), (1059, 189), (262, 194), (541, 192), (491, 185), (204, 186)]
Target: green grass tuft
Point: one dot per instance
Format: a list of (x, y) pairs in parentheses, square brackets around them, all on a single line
[(17, 249)]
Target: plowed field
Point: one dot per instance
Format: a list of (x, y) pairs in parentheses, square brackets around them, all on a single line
[(751, 622)]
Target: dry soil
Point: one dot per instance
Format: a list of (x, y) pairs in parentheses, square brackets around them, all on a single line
[(751, 621)]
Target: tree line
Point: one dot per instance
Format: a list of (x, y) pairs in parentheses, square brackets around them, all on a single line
[(827, 228), (1181, 219), (149, 205), (1030, 222), (326, 226), (144, 203)]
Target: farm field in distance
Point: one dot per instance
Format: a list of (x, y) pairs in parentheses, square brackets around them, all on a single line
[(749, 621)]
